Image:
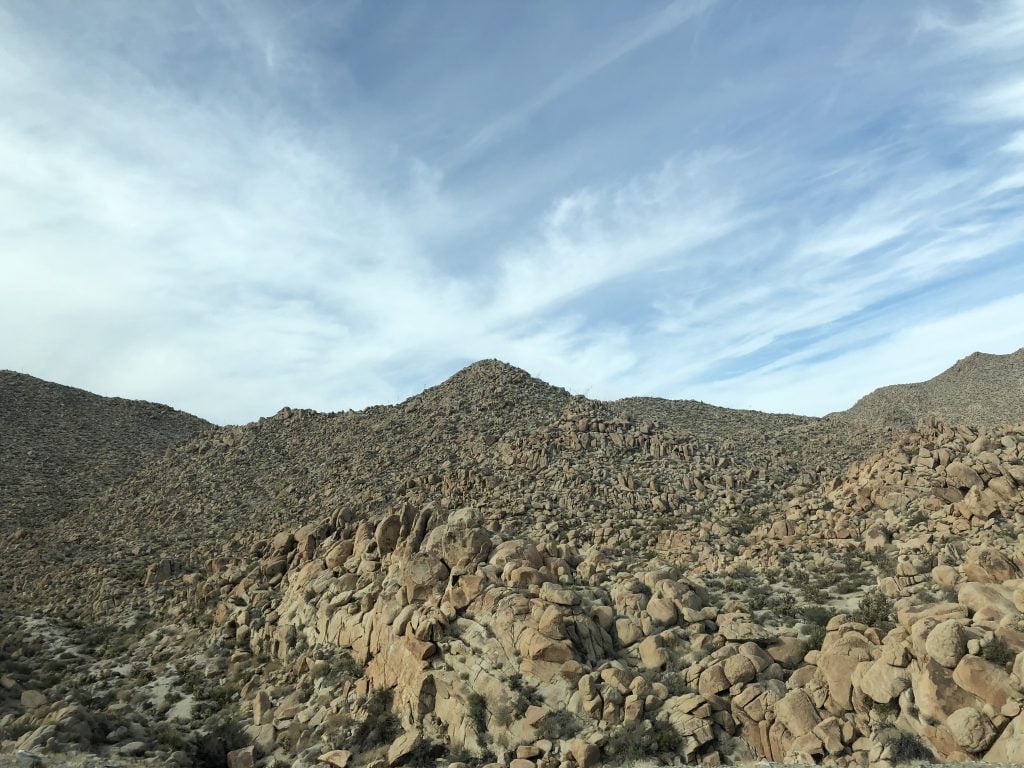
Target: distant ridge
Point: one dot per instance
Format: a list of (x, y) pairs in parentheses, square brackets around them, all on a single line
[(61, 446), (981, 390)]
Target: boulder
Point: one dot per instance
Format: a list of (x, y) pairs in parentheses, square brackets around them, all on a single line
[(1008, 749), (986, 681), (797, 712), (971, 730), (947, 643)]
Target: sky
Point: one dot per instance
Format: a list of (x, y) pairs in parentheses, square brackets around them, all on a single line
[(234, 206)]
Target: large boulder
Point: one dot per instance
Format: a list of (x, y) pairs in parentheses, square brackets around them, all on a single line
[(947, 643), (971, 730), (423, 574), (1009, 747), (797, 712), (459, 548)]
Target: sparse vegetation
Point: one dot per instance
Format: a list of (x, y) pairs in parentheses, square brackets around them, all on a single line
[(380, 726), (998, 652), (875, 610)]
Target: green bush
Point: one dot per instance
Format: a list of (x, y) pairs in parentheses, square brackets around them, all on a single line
[(818, 615), (626, 743), (477, 708), (815, 638), (907, 747), (667, 739), (875, 610), (998, 652), (380, 726), (559, 725)]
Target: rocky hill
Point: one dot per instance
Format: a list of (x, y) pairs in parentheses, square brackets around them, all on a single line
[(981, 390), (498, 572), (62, 446)]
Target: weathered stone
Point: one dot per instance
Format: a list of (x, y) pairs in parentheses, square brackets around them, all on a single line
[(246, 758), (947, 643), (971, 730), (797, 712)]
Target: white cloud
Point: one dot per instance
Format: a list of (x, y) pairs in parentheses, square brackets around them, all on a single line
[(919, 351), (233, 259), (648, 29)]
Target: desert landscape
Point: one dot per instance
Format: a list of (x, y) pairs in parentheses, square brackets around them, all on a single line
[(496, 572)]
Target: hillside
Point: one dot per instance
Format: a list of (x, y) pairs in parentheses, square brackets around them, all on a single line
[(498, 572), (981, 390), (62, 446)]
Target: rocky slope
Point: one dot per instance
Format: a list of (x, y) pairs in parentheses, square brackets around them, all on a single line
[(981, 390), (498, 572), (62, 446)]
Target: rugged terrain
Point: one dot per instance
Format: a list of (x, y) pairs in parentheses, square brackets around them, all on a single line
[(497, 571), (62, 446)]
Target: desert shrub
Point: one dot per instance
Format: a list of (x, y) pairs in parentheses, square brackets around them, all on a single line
[(345, 665), (813, 593), (742, 570), (784, 605), (883, 561), (559, 725), (916, 517), (526, 695), (998, 652), (757, 598), (907, 747), (676, 684), (380, 726), (477, 710), (666, 738), (626, 743), (875, 610), (889, 711), (815, 638), (818, 615)]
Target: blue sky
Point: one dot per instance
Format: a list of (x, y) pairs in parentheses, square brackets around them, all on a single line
[(234, 206)]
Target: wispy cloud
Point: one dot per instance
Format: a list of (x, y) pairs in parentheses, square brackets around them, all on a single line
[(622, 43), (265, 228)]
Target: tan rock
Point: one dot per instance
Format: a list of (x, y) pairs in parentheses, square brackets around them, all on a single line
[(787, 651), (245, 758), (424, 574), (338, 758), (797, 712), (386, 534), (262, 709), (961, 476), (936, 694), (627, 631), (986, 681), (1009, 747), (739, 669), (558, 595), (988, 565), (882, 682), (31, 699), (652, 655), (947, 643), (713, 680), (402, 747), (971, 730), (586, 754)]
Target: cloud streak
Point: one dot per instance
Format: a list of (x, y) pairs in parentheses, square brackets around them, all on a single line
[(237, 242)]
